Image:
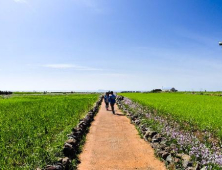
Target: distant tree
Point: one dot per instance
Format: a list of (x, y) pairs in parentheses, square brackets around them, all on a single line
[(173, 90), (5, 92), (156, 90)]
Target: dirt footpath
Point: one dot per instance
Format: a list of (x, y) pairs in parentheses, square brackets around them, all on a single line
[(114, 144)]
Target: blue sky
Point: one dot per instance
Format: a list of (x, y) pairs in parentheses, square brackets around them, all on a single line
[(110, 44)]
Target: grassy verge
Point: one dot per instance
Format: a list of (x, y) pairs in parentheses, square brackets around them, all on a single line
[(201, 112), (172, 140), (33, 128)]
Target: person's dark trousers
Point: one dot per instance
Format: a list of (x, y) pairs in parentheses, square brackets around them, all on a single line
[(107, 105), (112, 107)]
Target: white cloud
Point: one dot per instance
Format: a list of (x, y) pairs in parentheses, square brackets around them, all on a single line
[(71, 66), (20, 1)]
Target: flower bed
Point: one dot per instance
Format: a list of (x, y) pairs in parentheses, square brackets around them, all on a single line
[(180, 149)]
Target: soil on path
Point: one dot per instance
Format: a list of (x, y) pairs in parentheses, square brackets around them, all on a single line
[(114, 144)]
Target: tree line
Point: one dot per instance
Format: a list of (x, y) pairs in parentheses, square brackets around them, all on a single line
[(5, 92)]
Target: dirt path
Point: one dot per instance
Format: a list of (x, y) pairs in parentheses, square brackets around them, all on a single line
[(114, 144)]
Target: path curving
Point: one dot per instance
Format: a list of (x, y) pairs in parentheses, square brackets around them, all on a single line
[(114, 144)]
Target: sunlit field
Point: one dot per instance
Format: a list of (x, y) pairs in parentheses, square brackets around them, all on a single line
[(202, 111), (33, 128)]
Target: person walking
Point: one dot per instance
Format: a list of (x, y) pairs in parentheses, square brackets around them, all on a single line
[(106, 100), (112, 100)]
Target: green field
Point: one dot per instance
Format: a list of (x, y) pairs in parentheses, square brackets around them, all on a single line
[(33, 128), (210, 93), (27, 92), (202, 111)]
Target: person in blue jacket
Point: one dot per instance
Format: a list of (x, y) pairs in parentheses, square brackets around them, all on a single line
[(112, 100)]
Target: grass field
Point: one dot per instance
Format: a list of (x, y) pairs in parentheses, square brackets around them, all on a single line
[(27, 92), (33, 128), (210, 93), (202, 111)]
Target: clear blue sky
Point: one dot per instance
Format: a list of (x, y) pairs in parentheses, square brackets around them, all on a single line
[(110, 44)]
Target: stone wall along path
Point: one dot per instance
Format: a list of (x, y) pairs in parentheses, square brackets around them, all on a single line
[(114, 144)]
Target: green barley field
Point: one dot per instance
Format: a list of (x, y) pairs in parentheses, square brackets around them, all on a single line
[(33, 128), (203, 111)]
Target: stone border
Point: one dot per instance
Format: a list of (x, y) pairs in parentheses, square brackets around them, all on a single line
[(72, 145), (166, 152)]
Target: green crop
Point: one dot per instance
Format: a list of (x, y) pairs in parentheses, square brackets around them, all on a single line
[(27, 92), (33, 128), (201, 111)]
